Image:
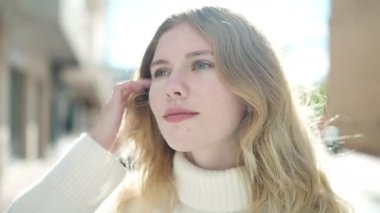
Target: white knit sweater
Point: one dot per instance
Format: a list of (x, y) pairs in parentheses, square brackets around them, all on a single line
[(208, 191), (87, 175)]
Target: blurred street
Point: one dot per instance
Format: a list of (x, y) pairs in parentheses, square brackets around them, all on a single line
[(356, 177), (20, 174)]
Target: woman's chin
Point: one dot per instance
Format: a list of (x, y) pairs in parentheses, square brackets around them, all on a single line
[(180, 147)]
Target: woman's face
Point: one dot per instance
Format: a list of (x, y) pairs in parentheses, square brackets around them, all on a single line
[(194, 109)]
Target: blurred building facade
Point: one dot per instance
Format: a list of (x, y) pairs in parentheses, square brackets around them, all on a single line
[(353, 88), (53, 77)]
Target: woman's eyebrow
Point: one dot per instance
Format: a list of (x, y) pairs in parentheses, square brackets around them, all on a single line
[(199, 52), (188, 55), (158, 62)]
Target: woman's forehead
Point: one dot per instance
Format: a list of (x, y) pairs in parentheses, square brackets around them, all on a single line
[(181, 39)]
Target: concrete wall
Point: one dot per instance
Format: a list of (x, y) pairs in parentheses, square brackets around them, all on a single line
[(353, 89), (4, 128)]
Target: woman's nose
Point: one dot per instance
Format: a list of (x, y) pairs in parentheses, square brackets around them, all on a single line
[(176, 86)]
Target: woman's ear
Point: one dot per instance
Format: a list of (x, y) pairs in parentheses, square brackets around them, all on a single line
[(249, 109)]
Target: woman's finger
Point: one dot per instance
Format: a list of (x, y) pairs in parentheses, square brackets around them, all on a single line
[(127, 87), (133, 86)]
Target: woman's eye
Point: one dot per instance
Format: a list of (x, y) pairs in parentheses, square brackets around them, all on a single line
[(160, 73), (200, 65)]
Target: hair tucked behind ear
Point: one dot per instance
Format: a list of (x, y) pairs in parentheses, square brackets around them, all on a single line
[(279, 166)]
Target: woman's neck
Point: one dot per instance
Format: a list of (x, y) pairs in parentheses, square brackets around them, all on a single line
[(213, 159)]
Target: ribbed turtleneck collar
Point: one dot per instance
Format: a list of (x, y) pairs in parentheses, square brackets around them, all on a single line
[(209, 190)]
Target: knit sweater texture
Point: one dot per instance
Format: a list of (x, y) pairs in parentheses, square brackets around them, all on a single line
[(86, 176)]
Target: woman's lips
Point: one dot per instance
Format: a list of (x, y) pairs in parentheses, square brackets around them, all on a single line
[(178, 114), (178, 117)]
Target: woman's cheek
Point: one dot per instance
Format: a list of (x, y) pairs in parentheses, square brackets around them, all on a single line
[(153, 99)]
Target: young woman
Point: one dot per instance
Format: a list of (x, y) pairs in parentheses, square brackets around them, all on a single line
[(215, 129)]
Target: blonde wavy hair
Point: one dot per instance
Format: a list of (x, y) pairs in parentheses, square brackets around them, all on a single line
[(275, 150)]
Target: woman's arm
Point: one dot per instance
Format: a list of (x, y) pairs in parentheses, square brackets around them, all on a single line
[(89, 172), (79, 182)]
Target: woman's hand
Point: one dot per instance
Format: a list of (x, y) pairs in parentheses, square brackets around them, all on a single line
[(108, 123)]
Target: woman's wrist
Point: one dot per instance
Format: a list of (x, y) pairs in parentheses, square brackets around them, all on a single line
[(97, 138)]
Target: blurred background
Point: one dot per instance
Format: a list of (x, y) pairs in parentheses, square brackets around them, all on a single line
[(60, 58)]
